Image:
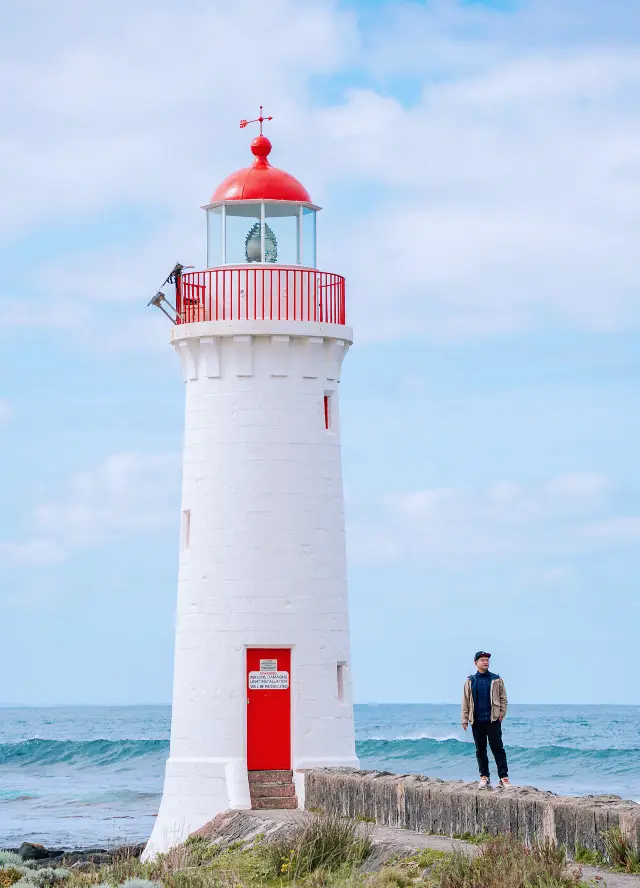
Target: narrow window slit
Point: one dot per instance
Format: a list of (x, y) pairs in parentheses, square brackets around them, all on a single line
[(186, 528), (341, 668)]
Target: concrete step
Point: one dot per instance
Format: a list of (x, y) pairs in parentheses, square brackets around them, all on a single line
[(271, 790), (270, 776), (277, 804)]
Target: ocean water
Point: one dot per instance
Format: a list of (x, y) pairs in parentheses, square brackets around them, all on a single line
[(83, 776)]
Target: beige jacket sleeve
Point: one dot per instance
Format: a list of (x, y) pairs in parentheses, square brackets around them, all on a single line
[(503, 699), (466, 702)]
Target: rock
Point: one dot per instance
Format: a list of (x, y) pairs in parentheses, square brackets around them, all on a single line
[(91, 857), (40, 856), (128, 850), (33, 851)]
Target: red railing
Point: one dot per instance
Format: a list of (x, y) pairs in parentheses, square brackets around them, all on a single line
[(261, 294)]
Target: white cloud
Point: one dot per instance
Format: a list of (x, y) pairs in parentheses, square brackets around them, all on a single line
[(515, 199), (140, 106), (619, 529), (129, 495), (138, 103), (506, 196), (32, 553), (453, 526)]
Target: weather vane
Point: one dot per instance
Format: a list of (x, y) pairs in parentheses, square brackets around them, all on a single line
[(259, 120)]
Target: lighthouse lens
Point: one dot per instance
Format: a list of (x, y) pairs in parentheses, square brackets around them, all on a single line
[(253, 245)]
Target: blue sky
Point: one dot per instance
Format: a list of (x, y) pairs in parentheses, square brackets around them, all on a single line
[(479, 166)]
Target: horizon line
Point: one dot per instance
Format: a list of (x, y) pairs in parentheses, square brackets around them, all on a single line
[(11, 705)]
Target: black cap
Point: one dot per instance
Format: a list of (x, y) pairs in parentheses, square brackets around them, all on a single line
[(480, 654)]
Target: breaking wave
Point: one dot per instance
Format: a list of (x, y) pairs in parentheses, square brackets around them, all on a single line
[(419, 752), (422, 751), (96, 753)]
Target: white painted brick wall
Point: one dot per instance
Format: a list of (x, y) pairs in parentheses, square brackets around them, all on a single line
[(266, 563)]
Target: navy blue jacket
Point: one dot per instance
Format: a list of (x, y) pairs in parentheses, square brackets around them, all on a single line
[(481, 690)]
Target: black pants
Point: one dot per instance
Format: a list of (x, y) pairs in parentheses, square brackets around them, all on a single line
[(491, 731)]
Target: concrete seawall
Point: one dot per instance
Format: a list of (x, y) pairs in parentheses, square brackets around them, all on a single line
[(452, 808)]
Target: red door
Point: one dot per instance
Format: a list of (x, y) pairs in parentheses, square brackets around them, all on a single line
[(268, 709)]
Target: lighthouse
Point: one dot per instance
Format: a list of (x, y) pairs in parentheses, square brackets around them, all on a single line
[(262, 672)]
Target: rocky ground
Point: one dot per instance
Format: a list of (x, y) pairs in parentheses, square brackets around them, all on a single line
[(87, 858), (241, 828)]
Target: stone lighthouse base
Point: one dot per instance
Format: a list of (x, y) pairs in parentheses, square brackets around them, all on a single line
[(197, 790)]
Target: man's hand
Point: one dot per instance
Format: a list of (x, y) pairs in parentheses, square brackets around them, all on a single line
[(465, 725)]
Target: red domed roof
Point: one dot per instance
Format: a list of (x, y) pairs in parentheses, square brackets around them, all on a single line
[(261, 181)]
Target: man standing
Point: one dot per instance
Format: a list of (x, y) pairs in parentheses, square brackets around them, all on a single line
[(484, 706)]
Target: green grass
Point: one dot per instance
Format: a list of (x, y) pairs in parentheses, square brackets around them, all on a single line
[(473, 838), (327, 851), (429, 857), (619, 854), (415, 864), (590, 858), (323, 842), (505, 862)]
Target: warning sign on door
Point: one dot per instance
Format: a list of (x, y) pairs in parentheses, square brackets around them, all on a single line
[(268, 681), (268, 665)]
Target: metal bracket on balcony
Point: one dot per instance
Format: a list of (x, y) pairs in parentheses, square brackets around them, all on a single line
[(158, 300)]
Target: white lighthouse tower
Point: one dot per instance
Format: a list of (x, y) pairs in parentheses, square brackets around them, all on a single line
[(262, 683)]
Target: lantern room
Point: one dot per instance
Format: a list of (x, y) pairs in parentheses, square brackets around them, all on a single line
[(261, 252), (261, 214)]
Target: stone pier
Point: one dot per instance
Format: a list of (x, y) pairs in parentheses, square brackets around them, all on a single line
[(453, 808)]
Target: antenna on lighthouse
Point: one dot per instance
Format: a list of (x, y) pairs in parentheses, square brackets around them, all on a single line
[(159, 300)]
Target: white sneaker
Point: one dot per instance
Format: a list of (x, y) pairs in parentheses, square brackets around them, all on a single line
[(505, 783), (485, 783)]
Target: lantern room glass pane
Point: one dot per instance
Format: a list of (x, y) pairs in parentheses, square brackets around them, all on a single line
[(242, 234), (308, 237), (214, 237), (281, 233)]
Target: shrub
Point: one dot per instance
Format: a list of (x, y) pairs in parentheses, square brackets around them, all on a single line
[(591, 858), (200, 850), (619, 851), (324, 841), (9, 875), (393, 878), (506, 862), (46, 877), (10, 858)]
